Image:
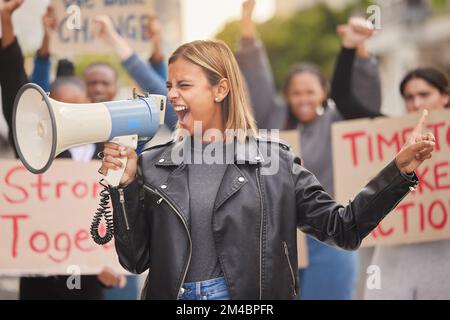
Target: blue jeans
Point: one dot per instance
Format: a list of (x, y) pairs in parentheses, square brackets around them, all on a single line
[(129, 292), (331, 273), (213, 289)]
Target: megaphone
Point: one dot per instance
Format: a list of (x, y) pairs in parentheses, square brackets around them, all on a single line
[(44, 127)]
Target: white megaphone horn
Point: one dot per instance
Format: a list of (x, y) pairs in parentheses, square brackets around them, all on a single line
[(44, 127)]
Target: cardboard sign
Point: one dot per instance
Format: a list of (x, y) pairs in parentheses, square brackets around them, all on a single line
[(45, 220), (292, 137), (75, 30), (361, 148)]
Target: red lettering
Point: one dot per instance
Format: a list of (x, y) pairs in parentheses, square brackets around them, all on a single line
[(448, 136), (438, 176), (15, 186), (418, 217), (58, 248), (444, 215), (353, 136), (422, 217), (40, 186), (33, 238), (404, 207), (382, 140), (423, 181), (370, 147), (84, 189), (64, 238), (435, 132), (82, 236), (59, 185), (15, 220)]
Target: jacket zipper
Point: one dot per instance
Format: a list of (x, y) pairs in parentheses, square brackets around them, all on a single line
[(163, 198), (286, 253), (261, 233), (122, 203)]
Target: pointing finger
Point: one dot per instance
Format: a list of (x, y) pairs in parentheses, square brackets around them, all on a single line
[(419, 127)]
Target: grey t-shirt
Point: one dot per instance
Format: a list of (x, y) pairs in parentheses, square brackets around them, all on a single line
[(204, 181)]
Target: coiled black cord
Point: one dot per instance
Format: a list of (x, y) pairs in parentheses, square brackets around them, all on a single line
[(103, 212)]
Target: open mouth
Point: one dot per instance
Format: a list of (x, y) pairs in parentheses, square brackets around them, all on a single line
[(183, 113), (304, 108)]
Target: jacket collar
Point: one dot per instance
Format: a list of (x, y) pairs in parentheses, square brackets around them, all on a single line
[(177, 190)]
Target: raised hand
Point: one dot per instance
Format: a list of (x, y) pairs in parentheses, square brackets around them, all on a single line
[(49, 20), (247, 8), (247, 25), (153, 31), (417, 149), (9, 6), (104, 29), (356, 32), (153, 28)]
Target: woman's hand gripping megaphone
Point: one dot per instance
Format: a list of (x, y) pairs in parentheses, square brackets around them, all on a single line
[(112, 160)]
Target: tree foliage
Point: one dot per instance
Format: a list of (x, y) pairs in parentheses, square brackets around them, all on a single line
[(305, 36)]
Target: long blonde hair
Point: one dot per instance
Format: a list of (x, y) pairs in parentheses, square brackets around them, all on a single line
[(218, 62)]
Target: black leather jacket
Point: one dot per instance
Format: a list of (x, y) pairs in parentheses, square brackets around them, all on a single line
[(254, 220)]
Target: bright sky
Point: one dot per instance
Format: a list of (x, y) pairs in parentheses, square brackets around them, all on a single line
[(204, 18)]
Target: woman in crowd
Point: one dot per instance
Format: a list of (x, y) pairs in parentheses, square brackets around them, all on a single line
[(235, 238)]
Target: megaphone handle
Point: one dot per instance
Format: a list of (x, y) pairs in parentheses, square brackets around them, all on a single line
[(113, 177)]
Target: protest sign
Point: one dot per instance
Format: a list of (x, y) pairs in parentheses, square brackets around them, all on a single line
[(45, 220), (76, 25), (361, 148)]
